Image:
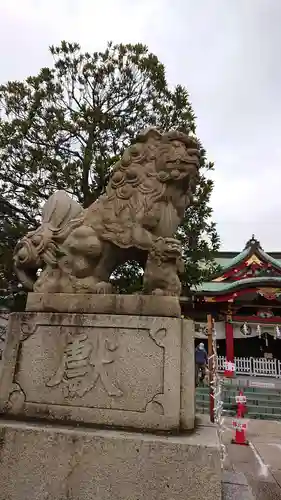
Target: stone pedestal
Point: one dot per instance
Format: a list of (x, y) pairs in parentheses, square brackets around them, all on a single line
[(110, 371), (64, 463)]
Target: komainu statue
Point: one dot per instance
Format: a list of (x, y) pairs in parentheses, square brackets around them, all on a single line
[(136, 219)]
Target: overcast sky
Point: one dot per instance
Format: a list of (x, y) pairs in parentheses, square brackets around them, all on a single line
[(226, 52)]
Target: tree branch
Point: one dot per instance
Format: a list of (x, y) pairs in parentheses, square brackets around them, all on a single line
[(8, 208)]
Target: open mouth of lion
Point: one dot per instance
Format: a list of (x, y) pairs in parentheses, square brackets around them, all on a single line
[(181, 167)]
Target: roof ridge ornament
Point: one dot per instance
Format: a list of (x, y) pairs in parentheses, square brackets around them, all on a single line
[(253, 243)]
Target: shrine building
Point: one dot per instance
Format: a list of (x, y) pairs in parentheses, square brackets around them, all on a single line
[(244, 299)]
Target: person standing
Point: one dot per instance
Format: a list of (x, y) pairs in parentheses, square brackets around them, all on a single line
[(201, 361)]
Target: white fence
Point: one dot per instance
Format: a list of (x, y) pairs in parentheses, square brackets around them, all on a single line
[(253, 366)]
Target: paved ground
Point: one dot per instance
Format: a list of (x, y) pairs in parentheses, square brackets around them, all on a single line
[(252, 472), (260, 462)]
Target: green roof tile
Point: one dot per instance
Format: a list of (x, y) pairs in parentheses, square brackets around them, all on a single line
[(227, 263), (224, 287), (274, 262)]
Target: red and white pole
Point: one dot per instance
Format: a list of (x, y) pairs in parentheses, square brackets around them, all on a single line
[(229, 369), (238, 424), (211, 366)]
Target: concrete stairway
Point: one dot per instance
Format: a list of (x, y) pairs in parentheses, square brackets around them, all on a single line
[(261, 403)]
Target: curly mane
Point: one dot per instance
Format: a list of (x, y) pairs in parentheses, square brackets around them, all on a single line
[(145, 181)]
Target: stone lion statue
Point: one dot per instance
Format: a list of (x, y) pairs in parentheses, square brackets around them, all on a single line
[(163, 265), (78, 249)]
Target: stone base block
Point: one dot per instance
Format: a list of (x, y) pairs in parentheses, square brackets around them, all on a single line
[(130, 305), (73, 464), (107, 370)]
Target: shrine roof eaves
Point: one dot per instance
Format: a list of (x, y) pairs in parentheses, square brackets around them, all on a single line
[(228, 260), (221, 287)]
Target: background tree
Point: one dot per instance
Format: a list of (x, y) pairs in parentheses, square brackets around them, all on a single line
[(66, 127)]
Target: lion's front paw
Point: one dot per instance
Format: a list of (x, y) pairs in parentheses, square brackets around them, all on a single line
[(103, 288)]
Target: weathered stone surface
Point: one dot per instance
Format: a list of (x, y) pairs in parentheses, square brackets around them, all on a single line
[(127, 371), (69, 464), (135, 219), (4, 316), (131, 305), (187, 376)]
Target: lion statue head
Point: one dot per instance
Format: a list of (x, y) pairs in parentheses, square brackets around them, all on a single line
[(166, 251), (34, 250), (153, 163), (42, 246)]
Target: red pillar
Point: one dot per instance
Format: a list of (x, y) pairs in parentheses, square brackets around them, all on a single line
[(229, 342)]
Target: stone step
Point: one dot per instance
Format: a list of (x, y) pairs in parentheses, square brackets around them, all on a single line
[(247, 391), (254, 382), (250, 404), (256, 416), (261, 413), (257, 400), (265, 396), (206, 408), (253, 400), (263, 405), (263, 409), (265, 416), (260, 407)]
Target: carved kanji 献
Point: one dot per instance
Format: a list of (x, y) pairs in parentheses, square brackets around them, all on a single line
[(83, 364)]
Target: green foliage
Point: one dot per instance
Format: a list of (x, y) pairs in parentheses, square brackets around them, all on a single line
[(65, 128)]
